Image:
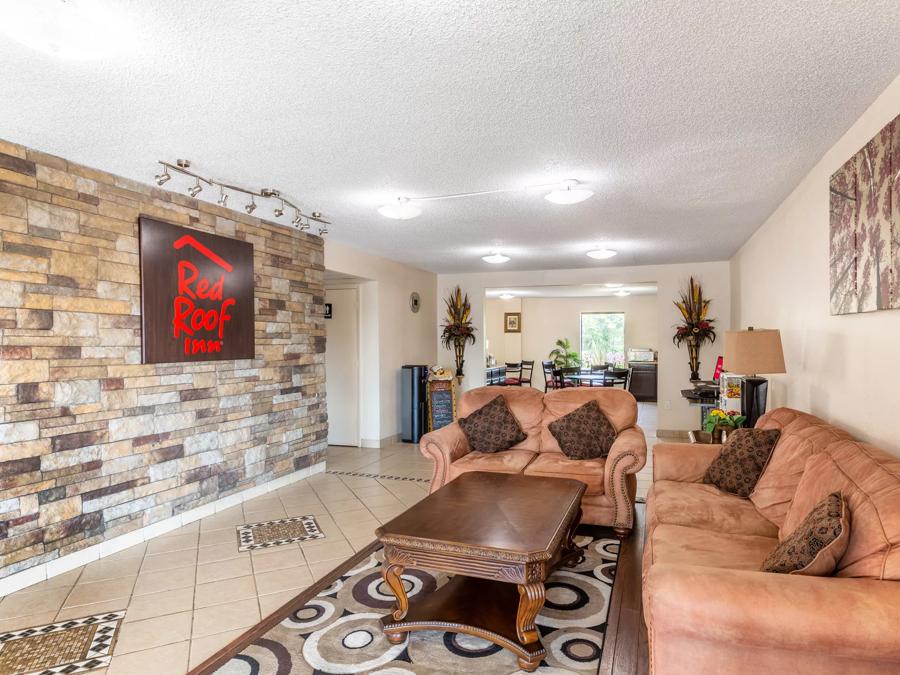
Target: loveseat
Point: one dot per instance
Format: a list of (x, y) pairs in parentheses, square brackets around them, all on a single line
[(707, 605), (611, 483)]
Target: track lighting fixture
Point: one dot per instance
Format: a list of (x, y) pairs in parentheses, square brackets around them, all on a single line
[(323, 231), (183, 166)]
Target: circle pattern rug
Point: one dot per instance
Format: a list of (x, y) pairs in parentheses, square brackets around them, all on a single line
[(339, 630)]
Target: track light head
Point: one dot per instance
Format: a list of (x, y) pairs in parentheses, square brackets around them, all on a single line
[(223, 199), (195, 190), (251, 207), (280, 210), (305, 226), (296, 221), (323, 230), (162, 177)]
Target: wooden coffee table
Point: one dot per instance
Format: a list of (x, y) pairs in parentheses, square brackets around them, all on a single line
[(500, 535)]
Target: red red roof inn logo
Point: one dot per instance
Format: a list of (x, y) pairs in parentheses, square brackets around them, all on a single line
[(196, 295)]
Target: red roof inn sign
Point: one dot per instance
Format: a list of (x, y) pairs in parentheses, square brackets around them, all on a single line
[(196, 295)]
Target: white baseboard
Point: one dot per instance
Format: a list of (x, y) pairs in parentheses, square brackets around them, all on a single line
[(379, 443), (44, 571)]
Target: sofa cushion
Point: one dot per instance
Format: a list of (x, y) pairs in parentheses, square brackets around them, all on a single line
[(618, 405), (742, 460), (801, 438), (492, 428), (680, 544), (591, 472), (704, 507), (869, 480), (510, 461), (585, 433), (818, 543), (526, 404)]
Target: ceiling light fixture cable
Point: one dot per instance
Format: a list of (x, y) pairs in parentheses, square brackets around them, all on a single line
[(182, 166)]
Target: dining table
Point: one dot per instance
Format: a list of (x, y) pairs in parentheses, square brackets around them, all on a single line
[(603, 378)]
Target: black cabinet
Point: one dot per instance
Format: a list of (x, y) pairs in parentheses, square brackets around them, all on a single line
[(643, 381), (495, 375)]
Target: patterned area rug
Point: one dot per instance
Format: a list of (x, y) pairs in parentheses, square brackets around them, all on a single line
[(338, 630)]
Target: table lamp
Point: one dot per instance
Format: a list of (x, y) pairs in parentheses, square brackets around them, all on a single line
[(749, 353)]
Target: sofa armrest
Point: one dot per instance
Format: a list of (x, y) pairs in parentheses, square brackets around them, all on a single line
[(748, 611), (683, 462), (444, 446), (627, 455)]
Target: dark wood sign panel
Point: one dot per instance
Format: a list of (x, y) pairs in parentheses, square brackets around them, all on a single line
[(441, 406), (196, 295)]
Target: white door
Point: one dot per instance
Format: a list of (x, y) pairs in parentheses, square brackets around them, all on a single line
[(342, 366)]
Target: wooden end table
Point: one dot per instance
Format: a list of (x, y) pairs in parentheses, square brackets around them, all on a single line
[(500, 535)]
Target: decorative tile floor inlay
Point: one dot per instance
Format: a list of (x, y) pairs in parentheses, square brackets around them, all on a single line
[(378, 475), (277, 533), (72, 646)]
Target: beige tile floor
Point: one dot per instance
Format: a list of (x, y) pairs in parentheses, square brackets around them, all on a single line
[(190, 592)]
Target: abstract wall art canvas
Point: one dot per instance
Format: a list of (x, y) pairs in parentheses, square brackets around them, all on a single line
[(864, 263)]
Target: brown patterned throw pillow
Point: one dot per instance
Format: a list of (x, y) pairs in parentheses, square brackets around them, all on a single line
[(817, 545), (492, 427), (585, 433), (742, 460)]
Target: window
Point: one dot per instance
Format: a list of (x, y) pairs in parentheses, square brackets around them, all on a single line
[(603, 338)]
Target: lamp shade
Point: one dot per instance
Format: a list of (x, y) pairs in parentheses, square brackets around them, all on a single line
[(754, 352)]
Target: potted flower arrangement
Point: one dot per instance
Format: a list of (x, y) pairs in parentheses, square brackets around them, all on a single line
[(457, 328), (718, 425), (696, 328)]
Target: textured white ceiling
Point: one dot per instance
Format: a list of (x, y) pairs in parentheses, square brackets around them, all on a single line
[(692, 120), (579, 291)]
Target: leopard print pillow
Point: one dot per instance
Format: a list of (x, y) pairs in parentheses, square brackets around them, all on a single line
[(492, 427), (585, 433), (817, 545), (743, 459)]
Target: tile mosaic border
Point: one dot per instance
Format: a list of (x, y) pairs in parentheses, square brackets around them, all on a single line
[(358, 474), (99, 652), (247, 539)]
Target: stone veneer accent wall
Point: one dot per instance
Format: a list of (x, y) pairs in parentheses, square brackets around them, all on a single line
[(92, 443)]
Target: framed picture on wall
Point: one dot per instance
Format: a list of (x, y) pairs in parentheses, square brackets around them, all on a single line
[(512, 322)]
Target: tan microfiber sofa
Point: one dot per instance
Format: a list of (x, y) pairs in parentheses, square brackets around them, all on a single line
[(707, 606), (611, 484)]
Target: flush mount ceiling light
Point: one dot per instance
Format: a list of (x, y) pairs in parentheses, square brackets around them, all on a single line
[(495, 258), (601, 253), (69, 29), (569, 192), (622, 294), (614, 285), (401, 209), (506, 296)]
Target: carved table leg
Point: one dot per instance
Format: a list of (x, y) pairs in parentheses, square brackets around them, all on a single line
[(391, 575), (530, 665), (572, 554), (531, 599)]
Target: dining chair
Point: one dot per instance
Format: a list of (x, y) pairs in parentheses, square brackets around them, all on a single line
[(549, 382), (559, 377), (599, 368), (513, 375), (525, 373)]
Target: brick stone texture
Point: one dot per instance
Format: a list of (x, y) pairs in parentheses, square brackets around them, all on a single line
[(93, 444)]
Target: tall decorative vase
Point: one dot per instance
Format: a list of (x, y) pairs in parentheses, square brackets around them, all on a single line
[(459, 351), (694, 358)]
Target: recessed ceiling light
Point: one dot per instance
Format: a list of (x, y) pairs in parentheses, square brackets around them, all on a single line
[(622, 294), (614, 285), (506, 296), (70, 30), (568, 193), (401, 209), (495, 258), (601, 253)]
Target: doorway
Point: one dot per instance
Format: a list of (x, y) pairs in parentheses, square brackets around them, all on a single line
[(342, 358)]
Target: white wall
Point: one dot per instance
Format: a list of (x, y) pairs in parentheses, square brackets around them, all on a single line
[(842, 368), (391, 335), (674, 411), (506, 347)]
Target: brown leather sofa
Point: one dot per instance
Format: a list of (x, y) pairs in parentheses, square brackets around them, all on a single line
[(707, 606), (611, 484)]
